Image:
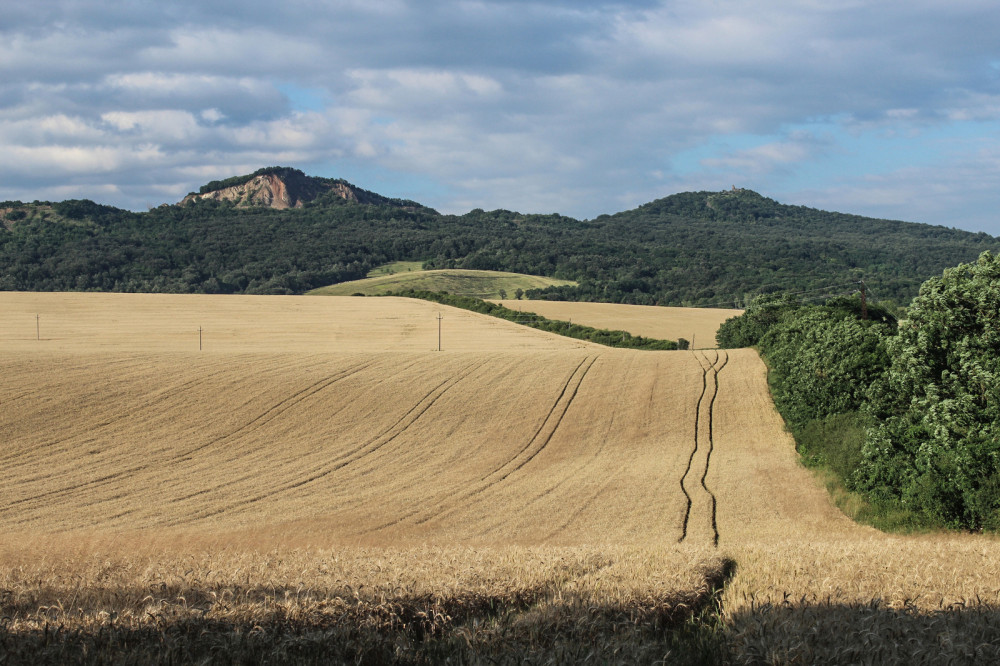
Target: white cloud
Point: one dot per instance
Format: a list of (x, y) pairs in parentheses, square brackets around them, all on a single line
[(526, 104)]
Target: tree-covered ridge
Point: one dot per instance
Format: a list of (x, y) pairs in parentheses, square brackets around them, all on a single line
[(697, 248)]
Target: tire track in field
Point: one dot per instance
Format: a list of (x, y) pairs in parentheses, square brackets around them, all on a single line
[(694, 451), (577, 471), (713, 367), (371, 446), (245, 477), (526, 454), (268, 415), (711, 442), (42, 449), (279, 408)]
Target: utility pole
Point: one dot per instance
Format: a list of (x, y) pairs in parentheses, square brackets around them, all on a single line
[(38, 328), (439, 318), (199, 338), (864, 301)]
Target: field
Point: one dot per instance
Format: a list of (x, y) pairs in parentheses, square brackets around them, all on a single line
[(696, 325), (319, 483), (480, 284)]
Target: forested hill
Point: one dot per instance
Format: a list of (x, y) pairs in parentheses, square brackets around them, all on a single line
[(694, 248)]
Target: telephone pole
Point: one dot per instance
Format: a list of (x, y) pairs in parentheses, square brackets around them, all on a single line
[(439, 318)]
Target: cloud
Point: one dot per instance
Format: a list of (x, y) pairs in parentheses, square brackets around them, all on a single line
[(548, 105), (960, 191)]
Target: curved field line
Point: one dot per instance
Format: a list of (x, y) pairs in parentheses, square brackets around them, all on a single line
[(280, 407), (241, 479), (694, 451), (486, 482), (41, 449), (577, 471), (268, 415), (711, 443), (369, 447)]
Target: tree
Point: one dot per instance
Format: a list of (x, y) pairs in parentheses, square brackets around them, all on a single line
[(503, 294), (518, 293), (937, 445)]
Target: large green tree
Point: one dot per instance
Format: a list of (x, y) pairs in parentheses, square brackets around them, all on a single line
[(936, 445)]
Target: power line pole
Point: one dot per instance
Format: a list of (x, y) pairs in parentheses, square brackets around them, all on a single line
[(38, 328), (439, 318), (199, 338)]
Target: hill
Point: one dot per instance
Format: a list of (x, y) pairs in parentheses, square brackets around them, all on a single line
[(479, 284), (283, 187), (696, 248)]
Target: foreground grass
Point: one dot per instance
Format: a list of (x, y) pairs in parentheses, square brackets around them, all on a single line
[(506, 605), (479, 284), (136, 603)]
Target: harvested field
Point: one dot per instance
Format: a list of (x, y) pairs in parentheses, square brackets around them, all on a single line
[(697, 325), (317, 484)]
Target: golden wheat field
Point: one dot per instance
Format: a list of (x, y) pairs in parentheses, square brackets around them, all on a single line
[(696, 325), (318, 483)]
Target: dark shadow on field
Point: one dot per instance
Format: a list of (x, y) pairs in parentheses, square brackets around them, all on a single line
[(836, 633), (284, 626)]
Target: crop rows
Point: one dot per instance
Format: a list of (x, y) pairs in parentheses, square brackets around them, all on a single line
[(538, 499)]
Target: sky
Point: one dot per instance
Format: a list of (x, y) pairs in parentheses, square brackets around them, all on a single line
[(889, 108)]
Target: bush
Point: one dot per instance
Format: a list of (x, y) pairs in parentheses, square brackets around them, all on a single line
[(937, 445)]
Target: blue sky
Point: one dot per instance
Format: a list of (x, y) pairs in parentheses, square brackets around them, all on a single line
[(889, 109)]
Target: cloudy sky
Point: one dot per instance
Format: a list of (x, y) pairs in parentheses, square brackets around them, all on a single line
[(582, 107)]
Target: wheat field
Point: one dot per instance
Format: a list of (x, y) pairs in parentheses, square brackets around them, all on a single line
[(318, 482), (696, 325)]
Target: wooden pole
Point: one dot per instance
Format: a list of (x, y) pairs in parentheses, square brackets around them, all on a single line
[(439, 318), (38, 328), (199, 338)]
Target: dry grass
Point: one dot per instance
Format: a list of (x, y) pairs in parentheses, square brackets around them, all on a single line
[(697, 325), (538, 500), (90, 602)]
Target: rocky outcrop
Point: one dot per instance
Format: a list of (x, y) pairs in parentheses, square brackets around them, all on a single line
[(284, 187), (270, 190)]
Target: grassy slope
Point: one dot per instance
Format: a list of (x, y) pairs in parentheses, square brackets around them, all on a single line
[(480, 284)]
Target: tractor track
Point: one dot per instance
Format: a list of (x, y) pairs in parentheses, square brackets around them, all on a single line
[(535, 444), (714, 367), (371, 446), (269, 414)]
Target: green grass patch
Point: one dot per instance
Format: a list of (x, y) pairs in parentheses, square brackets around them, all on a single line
[(477, 284), (831, 447)]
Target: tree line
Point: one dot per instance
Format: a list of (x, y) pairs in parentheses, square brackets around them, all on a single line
[(698, 248), (609, 338), (905, 413)]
